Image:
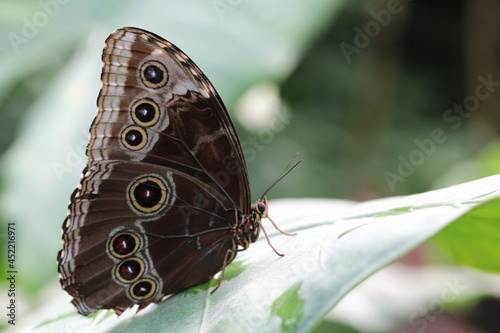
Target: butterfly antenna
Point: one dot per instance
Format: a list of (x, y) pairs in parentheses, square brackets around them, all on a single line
[(285, 172)]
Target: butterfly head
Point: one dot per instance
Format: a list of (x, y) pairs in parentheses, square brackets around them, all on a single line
[(259, 211), (261, 207)]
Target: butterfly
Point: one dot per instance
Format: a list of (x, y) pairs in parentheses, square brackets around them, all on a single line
[(163, 203)]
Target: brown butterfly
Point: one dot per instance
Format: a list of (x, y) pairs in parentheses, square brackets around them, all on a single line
[(164, 202)]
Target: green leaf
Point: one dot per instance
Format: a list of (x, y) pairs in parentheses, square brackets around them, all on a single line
[(289, 307), (339, 244), (473, 239)]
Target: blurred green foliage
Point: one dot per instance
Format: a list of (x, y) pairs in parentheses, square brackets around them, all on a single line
[(357, 120)]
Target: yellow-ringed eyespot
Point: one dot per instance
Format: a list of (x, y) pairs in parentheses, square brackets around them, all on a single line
[(148, 194), (145, 112), (153, 74), (134, 137), (142, 289), (124, 244), (130, 270)]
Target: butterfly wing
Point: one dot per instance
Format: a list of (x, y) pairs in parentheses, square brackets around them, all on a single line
[(193, 132), (165, 182)]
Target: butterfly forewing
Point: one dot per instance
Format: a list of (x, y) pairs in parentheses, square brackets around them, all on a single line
[(194, 132), (165, 184)]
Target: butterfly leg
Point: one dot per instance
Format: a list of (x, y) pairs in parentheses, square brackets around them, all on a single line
[(224, 265), (267, 238), (280, 230)]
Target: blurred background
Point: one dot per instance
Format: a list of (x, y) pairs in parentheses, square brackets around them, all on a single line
[(379, 98)]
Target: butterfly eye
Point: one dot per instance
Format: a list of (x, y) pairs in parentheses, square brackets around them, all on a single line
[(145, 112), (154, 74), (261, 207), (129, 270), (143, 289)]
